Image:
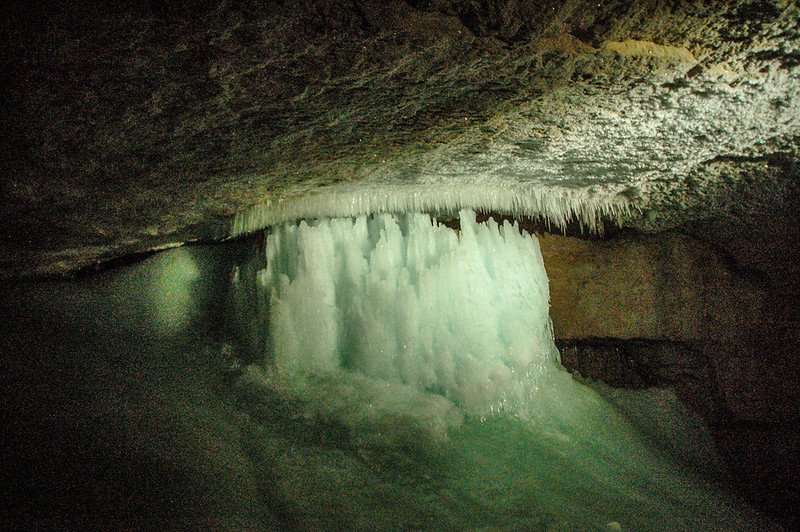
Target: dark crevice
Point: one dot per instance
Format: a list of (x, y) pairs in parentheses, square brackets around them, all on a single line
[(633, 363)]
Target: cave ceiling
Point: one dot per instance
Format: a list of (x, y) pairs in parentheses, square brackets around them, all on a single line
[(136, 126)]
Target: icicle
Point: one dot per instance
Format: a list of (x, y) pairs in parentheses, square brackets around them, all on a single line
[(556, 205)]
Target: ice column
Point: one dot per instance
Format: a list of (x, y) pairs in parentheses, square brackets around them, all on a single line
[(402, 299)]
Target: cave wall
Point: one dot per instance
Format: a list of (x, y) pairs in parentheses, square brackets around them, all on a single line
[(673, 287), (665, 286)]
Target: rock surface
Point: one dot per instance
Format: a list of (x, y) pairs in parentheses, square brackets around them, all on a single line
[(673, 288), (130, 127), (665, 286)]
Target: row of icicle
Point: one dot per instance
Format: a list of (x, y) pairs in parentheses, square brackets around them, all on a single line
[(557, 206)]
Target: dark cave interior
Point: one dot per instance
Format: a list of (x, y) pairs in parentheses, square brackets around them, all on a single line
[(652, 148)]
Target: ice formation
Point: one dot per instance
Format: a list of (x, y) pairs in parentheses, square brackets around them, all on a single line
[(402, 299), (556, 206), (428, 354)]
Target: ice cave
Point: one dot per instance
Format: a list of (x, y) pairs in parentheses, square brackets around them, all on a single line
[(446, 265)]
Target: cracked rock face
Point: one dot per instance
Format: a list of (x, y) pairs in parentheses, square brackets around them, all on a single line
[(133, 128)]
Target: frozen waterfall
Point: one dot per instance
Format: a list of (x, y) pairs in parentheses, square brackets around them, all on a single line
[(415, 361), (404, 300)]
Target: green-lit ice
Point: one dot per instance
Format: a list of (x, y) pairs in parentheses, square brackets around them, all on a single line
[(411, 381)]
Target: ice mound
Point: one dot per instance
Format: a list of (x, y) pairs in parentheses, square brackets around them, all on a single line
[(364, 414)]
